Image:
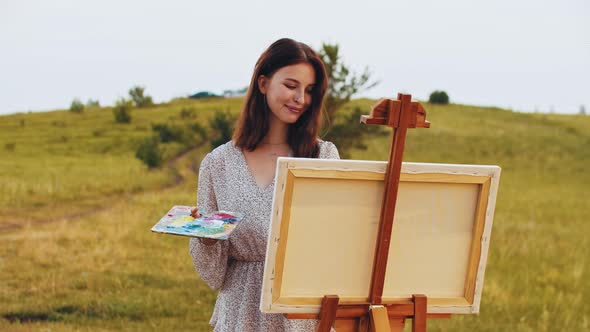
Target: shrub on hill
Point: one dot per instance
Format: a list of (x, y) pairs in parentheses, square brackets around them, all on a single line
[(92, 103), (222, 124), (168, 133), (139, 98), (76, 106), (164, 131), (122, 111), (199, 130), (186, 113), (156, 149), (438, 97), (149, 153)]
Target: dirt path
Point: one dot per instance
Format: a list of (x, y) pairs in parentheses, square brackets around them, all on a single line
[(179, 179)]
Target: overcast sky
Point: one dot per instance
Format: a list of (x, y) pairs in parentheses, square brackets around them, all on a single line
[(525, 55)]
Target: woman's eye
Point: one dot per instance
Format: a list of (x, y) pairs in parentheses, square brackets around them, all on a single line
[(290, 86)]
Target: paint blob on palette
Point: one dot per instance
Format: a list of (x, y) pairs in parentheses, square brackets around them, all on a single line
[(214, 225)]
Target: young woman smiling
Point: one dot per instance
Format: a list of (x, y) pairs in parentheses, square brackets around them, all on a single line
[(281, 117)]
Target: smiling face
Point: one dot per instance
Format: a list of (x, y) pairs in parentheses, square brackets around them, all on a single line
[(288, 91)]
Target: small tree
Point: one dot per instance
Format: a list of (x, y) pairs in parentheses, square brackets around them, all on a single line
[(346, 132), (222, 124), (149, 153), (342, 83), (439, 97), (139, 99), (122, 111), (76, 106)]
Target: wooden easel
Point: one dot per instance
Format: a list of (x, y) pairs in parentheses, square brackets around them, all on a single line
[(400, 115)]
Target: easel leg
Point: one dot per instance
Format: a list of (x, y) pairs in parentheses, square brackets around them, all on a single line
[(419, 321), (379, 319), (328, 312)]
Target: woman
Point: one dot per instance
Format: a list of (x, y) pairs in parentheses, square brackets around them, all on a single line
[(281, 117)]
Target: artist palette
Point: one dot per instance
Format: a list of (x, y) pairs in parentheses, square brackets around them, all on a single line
[(213, 225)]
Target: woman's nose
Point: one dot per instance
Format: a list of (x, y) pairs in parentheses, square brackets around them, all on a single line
[(300, 96)]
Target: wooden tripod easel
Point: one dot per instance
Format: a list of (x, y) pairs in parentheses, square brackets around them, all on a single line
[(399, 114)]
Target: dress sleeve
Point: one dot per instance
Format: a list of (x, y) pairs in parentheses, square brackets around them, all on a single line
[(328, 151), (210, 260)]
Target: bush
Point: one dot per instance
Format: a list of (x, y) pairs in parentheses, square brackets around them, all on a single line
[(222, 124), (149, 153), (439, 97), (76, 106), (122, 111), (92, 103), (10, 146), (186, 113), (167, 133), (199, 130), (139, 99)]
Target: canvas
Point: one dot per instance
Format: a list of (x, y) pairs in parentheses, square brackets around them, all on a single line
[(324, 229)]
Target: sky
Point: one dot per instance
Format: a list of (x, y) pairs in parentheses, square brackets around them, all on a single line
[(523, 55)]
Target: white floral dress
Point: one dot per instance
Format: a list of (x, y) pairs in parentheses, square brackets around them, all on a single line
[(236, 266)]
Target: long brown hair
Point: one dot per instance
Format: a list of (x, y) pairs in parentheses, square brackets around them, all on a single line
[(253, 124)]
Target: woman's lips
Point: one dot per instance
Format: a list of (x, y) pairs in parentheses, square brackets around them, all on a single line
[(294, 109)]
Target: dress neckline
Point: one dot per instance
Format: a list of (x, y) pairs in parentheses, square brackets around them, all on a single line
[(248, 172)]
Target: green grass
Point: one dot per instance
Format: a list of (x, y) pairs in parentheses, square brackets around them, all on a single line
[(60, 163), (106, 271)]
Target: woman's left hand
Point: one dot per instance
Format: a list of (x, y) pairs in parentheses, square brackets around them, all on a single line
[(195, 213)]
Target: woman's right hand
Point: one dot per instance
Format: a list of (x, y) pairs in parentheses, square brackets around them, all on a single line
[(195, 213)]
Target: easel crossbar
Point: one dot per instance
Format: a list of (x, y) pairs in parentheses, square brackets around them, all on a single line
[(360, 310)]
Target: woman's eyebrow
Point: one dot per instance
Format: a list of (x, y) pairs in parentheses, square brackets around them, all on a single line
[(296, 81)]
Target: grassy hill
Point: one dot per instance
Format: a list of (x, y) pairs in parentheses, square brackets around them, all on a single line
[(76, 207), (62, 163)]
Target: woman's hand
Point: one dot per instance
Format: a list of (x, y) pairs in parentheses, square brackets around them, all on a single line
[(208, 242), (195, 213)]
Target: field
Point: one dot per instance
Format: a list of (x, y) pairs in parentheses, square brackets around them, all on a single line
[(76, 207)]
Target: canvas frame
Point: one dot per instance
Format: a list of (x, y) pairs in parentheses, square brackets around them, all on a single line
[(294, 175)]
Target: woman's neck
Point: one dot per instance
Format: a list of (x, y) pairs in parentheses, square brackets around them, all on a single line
[(278, 132)]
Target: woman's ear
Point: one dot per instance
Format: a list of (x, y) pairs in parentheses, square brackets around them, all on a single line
[(262, 84)]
